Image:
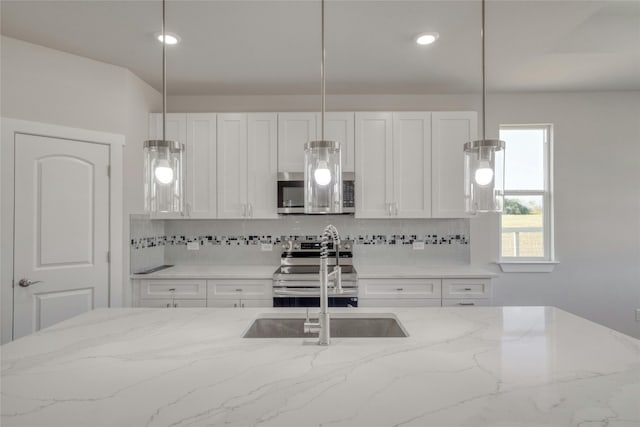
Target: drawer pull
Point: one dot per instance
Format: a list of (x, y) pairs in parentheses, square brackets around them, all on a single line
[(467, 289), (172, 289), (239, 290), (399, 289), (467, 303)]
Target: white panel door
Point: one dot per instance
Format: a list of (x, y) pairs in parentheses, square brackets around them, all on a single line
[(232, 165), (176, 130), (340, 127), (61, 230), (374, 160), (201, 159), (412, 165), (294, 130), (450, 130), (262, 172)]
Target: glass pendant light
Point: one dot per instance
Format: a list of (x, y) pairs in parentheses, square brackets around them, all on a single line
[(163, 160), (484, 163), (323, 162)]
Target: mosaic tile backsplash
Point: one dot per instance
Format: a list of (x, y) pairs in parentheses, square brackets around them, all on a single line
[(428, 239), (238, 241)]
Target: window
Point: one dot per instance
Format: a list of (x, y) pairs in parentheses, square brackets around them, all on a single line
[(526, 221)]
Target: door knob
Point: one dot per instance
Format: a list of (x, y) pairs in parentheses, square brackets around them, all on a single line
[(25, 283)]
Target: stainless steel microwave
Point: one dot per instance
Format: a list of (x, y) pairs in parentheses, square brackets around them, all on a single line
[(291, 193)]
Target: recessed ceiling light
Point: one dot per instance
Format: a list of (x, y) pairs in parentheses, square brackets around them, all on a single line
[(170, 37), (426, 38)]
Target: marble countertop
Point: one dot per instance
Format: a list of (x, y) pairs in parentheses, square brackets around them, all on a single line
[(266, 272), (420, 272), (482, 366), (212, 272)]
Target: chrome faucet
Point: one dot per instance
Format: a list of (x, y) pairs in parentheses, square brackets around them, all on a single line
[(323, 324)]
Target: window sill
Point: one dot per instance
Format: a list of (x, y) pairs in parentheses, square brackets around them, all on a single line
[(527, 266)]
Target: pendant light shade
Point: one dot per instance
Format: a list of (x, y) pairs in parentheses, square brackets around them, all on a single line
[(484, 163), (322, 177), (163, 174), (322, 162), (163, 160)]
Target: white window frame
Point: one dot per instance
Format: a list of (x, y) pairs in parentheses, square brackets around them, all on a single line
[(546, 262)]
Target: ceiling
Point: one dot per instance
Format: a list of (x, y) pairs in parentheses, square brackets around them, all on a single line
[(273, 47)]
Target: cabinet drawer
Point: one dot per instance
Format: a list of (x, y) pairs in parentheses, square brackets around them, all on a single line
[(407, 302), (236, 289), (401, 288), (466, 288), (467, 302), (173, 303), (183, 289), (239, 303)]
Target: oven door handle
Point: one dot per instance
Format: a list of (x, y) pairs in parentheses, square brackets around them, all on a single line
[(312, 292)]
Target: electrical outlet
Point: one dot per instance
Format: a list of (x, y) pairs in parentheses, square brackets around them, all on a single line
[(637, 314), (193, 246), (266, 247), (418, 246)]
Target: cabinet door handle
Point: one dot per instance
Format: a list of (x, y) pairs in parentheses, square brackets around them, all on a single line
[(175, 305), (390, 207), (244, 209), (396, 208), (250, 210), (168, 305), (235, 304), (242, 305), (466, 303)]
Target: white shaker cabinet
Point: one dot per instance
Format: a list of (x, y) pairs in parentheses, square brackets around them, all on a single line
[(393, 164), (169, 293), (198, 133), (450, 130), (247, 165), (296, 129)]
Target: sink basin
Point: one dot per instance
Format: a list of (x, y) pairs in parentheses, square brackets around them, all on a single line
[(342, 326)]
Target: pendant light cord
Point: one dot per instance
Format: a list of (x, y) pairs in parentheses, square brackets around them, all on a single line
[(322, 77), (164, 79), (484, 90)]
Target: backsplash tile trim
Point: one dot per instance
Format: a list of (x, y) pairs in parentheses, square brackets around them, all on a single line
[(254, 240)]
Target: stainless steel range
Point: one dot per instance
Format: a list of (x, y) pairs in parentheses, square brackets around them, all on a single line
[(297, 282)]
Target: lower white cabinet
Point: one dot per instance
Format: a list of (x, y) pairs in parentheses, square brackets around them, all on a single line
[(172, 303), (398, 292), (239, 293), (170, 293)]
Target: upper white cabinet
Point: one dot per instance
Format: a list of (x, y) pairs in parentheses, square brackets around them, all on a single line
[(247, 165), (201, 176), (450, 130), (198, 133), (296, 129), (393, 165)]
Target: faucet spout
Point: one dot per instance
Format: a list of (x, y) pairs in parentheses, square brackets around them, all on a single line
[(329, 233)]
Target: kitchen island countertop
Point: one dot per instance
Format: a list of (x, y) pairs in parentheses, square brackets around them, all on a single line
[(482, 366)]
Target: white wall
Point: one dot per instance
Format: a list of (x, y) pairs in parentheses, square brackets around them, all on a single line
[(597, 190), (45, 85)]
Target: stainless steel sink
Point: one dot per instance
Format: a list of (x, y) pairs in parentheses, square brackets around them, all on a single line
[(342, 326)]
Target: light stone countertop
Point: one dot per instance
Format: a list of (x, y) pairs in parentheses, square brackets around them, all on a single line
[(421, 272), (481, 366), (212, 272), (364, 272)]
